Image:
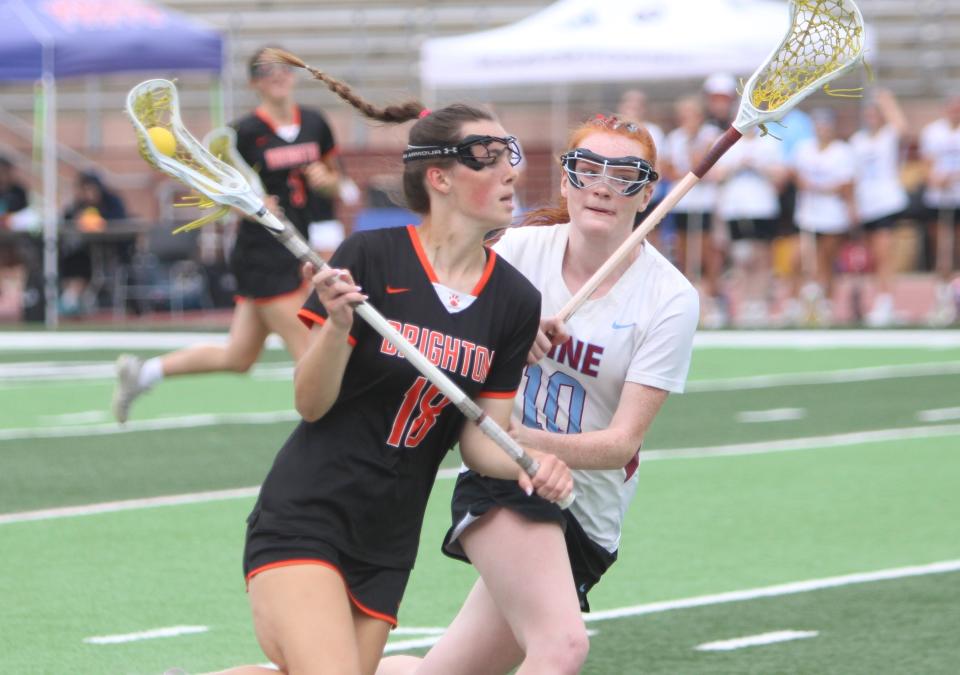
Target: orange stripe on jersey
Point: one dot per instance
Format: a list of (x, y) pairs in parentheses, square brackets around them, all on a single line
[(421, 254), (497, 394), (392, 620), (266, 119), (487, 271), (310, 318)]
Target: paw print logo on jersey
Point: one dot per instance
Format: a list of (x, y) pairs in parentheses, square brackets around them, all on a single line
[(454, 300)]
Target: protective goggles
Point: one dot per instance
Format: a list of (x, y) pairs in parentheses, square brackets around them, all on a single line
[(474, 152), (624, 175)]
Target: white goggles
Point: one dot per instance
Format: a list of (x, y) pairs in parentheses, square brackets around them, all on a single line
[(624, 175)]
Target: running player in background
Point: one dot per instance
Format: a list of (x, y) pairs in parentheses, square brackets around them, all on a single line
[(824, 171), (334, 532), (589, 396), (293, 150), (940, 148), (880, 195)]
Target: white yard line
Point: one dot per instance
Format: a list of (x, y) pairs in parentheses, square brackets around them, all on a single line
[(775, 591), (739, 596), (867, 374), (160, 424), (772, 415), (759, 448), (756, 640), (808, 443), (769, 339), (939, 415), (171, 631)]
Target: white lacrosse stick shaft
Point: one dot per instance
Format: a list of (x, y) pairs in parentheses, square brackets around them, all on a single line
[(747, 116), (234, 191)]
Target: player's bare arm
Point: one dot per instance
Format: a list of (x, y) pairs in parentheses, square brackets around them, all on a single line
[(611, 448)]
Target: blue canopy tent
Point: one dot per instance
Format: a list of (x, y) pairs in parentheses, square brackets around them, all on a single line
[(45, 40)]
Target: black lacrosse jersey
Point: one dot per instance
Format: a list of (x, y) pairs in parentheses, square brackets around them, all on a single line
[(359, 477), (280, 165)]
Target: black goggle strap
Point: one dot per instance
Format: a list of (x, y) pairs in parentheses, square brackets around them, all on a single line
[(463, 153), (646, 172)]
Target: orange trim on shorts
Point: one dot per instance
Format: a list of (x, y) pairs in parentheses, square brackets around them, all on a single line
[(497, 394), (310, 318), (392, 620), (270, 298)]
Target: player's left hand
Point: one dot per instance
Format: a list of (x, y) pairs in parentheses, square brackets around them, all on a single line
[(321, 178)]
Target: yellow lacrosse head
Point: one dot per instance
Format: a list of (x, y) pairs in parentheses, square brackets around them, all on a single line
[(825, 40), (153, 105)]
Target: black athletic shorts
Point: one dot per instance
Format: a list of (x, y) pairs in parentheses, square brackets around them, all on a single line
[(884, 223), (261, 280), (762, 229), (685, 221), (474, 495), (375, 590)]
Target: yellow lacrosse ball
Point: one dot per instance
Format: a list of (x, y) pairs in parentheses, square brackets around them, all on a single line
[(164, 140)]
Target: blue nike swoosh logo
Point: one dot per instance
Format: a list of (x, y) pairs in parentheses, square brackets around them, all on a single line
[(617, 326)]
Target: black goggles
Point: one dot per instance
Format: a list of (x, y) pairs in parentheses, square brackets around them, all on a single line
[(474, 152), (624, 175)]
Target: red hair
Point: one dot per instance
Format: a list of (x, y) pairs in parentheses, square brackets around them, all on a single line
[(551, 215)]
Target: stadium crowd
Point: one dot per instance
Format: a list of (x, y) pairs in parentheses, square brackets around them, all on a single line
[(765, 237)]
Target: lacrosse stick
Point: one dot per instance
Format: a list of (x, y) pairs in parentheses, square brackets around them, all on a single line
[(825, 40), (153, 104)]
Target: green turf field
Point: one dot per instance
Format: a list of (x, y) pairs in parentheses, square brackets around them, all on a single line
[(792, 489)]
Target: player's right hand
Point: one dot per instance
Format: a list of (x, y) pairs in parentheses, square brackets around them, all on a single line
[(553, 480), (338, 293), (552, 332)]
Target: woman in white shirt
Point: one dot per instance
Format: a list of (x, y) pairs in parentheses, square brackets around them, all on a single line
[(824, 171), (880, 196), (751, 175)]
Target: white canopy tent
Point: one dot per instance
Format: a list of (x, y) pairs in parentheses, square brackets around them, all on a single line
[(610, 40)]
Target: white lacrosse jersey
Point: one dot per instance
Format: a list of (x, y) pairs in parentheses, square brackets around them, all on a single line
[(640, 331), (678, 149), (940, 145), (878, 188), (828, 167), (748, 191)]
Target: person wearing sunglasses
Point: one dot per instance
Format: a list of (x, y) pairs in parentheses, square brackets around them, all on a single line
[(334, 532), (589, 394)]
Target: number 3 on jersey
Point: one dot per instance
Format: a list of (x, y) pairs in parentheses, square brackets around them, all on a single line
[(431, 403), (561, 390)]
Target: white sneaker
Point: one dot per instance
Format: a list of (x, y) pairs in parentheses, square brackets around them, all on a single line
[(881, 314), (945, 308), (127, 387), (792, 313)]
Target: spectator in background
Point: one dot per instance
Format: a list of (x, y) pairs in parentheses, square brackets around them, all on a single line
[(751, 174), (13, 199), (880, 196), (13, 196), (696, 247), (633, 108), (824, 171), (93, 206), (940, 147), (720, 98)]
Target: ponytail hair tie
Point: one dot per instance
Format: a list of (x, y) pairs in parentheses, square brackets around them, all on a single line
[(424, 113)]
